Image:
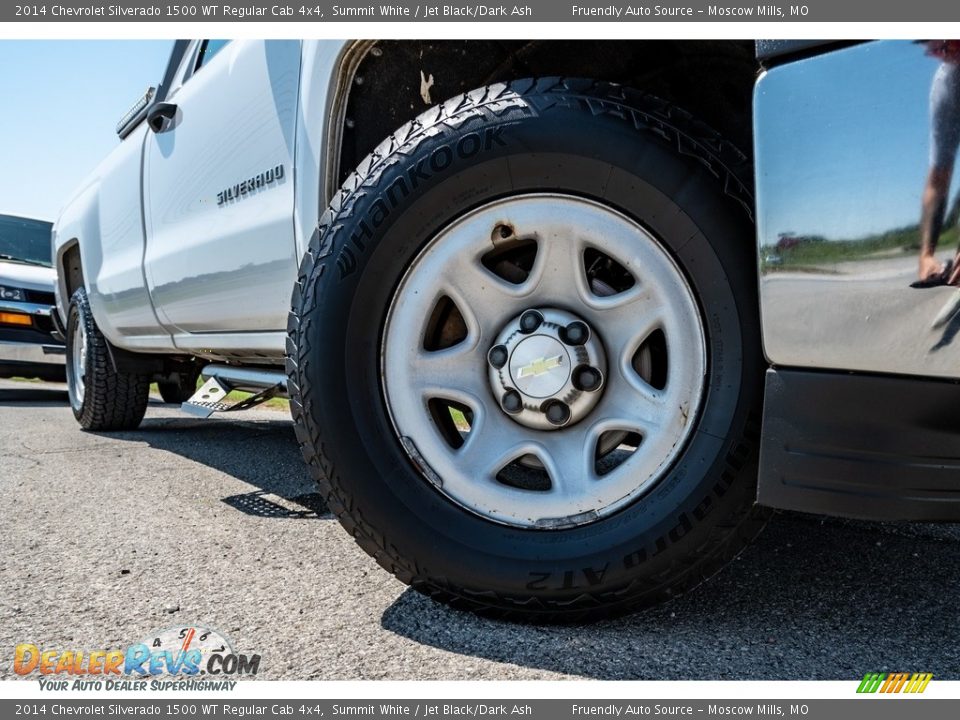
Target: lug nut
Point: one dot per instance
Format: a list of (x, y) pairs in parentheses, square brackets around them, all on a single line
[(497, 356), (576, 333), (511, 402), (557, 413), (587, 378), (530, 321)]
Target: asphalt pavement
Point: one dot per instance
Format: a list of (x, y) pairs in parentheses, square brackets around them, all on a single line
[(107, 538)]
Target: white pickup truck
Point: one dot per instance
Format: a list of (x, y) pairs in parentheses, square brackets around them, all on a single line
[(522, 341)]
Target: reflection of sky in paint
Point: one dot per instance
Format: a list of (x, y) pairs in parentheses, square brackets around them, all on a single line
[(846, 142)]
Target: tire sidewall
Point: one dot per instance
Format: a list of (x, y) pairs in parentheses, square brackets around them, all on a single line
[(112, 401), (531, 147)]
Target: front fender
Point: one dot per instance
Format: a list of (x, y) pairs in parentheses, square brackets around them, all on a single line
[(79, 220)]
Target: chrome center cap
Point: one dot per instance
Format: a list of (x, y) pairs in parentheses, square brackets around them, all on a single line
[(540, 366), (547, 368)]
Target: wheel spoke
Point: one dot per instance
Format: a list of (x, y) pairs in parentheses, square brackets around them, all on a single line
[(630, 404), (569, 460), (455, 373), (492, 443), (626, 319), (483, 299), (558, 271)]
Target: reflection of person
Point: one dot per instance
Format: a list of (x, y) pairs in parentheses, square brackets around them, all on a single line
[(944, 139)]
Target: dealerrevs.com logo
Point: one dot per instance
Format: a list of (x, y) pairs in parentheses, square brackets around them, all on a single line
[(177, 658)]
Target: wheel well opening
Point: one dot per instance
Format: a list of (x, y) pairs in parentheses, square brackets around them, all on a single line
[(72, 269), (399, 79)]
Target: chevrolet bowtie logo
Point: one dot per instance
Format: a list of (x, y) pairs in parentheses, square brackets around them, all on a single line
[(540, 366)]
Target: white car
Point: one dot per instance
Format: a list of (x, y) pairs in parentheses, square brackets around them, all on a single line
[(27, 278)]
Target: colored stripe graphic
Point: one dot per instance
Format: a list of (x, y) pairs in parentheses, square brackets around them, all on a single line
[(894, 682), (870, 683)]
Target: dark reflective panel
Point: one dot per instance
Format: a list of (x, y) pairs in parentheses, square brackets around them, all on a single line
[(857, 209)]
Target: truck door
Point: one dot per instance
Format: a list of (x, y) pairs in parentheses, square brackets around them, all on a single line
[(218, 189)]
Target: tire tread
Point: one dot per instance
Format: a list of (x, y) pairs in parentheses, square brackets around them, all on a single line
[(113, 400)]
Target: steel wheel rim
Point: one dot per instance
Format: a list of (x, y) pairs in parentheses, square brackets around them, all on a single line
[(78, 364), (564, 227)]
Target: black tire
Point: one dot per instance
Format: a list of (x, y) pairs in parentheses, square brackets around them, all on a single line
[(110, 400), (649, 160), (179, 390)]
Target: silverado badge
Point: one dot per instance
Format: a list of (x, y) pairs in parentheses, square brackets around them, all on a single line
[(246, 187)]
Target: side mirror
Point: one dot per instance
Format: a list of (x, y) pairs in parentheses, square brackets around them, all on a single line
[(159, 114)]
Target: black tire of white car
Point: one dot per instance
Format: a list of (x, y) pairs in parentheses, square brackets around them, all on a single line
[(102, 399), (648, 162), (180, 388)]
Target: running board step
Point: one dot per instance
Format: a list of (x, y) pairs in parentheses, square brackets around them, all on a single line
[(222, 379)]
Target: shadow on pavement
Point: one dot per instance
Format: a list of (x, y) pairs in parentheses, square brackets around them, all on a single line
[(263, 453), (261, 504), (810, 599)]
